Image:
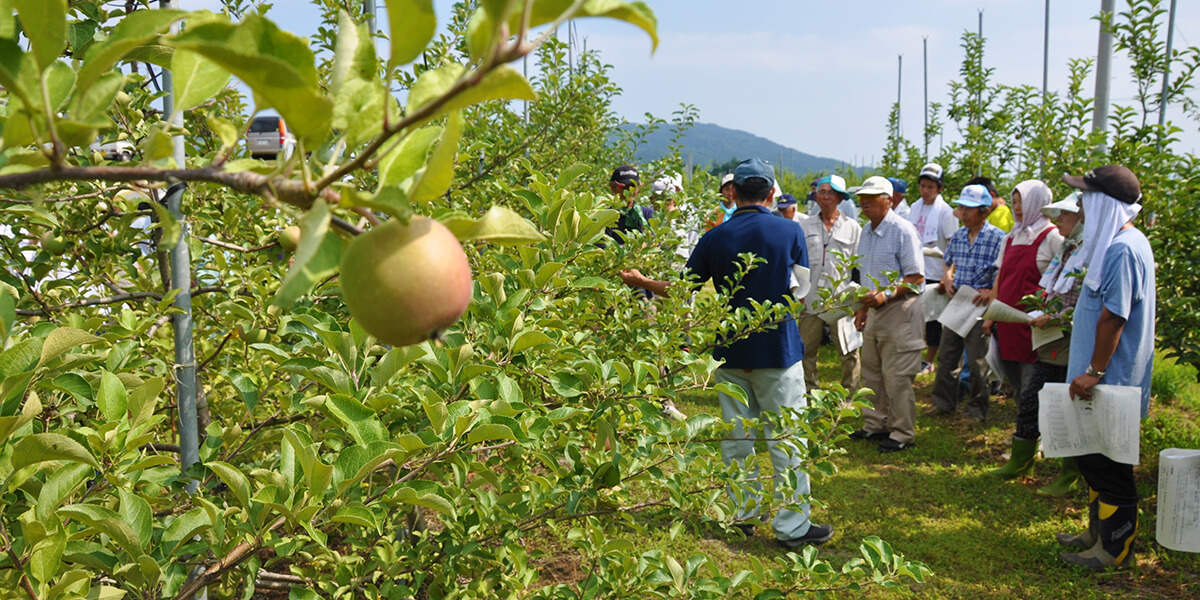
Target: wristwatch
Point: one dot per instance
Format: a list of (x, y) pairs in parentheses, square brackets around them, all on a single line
[(1091, 372), (888, 293)]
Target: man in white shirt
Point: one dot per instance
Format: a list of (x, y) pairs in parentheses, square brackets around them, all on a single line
[(832, 238), (935, 223)]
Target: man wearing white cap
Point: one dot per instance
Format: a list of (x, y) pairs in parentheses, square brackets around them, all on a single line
[(935, 223), (892, 319), (970, 261), (832, 238), (1112, 343)]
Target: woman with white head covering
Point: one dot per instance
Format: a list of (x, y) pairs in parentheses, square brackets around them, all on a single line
[(1026, 253), (1112, 343)]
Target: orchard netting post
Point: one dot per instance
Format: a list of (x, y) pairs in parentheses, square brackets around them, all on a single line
[(1104, 54), (181, 280), (1162, 102)]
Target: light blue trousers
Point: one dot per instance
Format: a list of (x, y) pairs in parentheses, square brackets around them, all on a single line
[(766, 390)]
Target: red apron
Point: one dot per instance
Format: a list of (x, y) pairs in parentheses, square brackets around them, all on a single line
[(1019, 277)]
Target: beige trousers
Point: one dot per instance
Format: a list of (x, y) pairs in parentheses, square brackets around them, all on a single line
[(811, 328), (891, 357)]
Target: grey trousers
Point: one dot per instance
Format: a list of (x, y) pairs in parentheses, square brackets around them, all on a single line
[(945, 386), (811, 328)]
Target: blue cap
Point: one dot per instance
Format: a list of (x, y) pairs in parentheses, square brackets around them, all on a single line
[(837, 182), (786, 200), (751, 168), (899, 186), (974, 195)]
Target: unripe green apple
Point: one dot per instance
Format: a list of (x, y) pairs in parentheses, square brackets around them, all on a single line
[(253, 336), (289, 239), (52, 243), (406, 282)]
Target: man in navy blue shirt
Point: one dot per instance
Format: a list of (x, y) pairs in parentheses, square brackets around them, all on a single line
[(767, 365)]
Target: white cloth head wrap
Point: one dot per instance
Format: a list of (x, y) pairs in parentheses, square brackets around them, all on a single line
[(1034, 195), (1103, 217)]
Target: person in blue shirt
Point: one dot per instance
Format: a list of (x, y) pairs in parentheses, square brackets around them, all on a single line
[(970, 260), (1112, 343), (767, 364)]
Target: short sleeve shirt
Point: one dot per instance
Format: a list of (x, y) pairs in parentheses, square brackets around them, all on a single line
[(780, 242), (894, 246), (975, 263), (1127, 290)]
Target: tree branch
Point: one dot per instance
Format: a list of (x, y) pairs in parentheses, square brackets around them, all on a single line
[(114, 299), (285, 190), (229, 561)]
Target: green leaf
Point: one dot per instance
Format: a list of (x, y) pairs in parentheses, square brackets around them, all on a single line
[(183, 529), (566, 384), (412, 25), (42, 447), (634, 13), (91, 105), (156, 145), (361, 422), (358, 515), (226, 131), (277, 66), (8, 314), (44, 22), (112, 398), (490, 431), (105, 592), (63, 340), (11, 58), (426, 498), (58, 488), (9, 425), (132, 31), (344, 51), (405, 158), (502, 83), (234, 478), (196, 78), (47, 556), (499, 225), (316, 257), (107, 522), (528, 339), (732, 389), (135, 511), (434, 179)]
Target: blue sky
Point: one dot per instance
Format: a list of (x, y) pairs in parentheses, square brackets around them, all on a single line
[(820, 76)]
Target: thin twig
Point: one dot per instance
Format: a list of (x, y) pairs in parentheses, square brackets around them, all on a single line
[(240, 552), (114, 299), (16, 560), (234, 247)]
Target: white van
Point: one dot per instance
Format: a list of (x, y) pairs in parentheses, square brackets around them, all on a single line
[(268, 136)]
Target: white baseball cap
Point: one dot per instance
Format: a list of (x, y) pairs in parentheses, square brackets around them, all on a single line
[(933, 171), (875, 186)]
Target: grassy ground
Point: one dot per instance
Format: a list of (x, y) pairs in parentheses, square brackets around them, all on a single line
[(983, 537)]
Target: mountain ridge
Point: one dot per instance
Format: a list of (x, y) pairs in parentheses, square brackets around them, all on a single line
[(711, 144)]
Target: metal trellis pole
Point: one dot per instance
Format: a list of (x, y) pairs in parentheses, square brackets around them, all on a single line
[(1104, 53), (181, 280), (1162, 100)]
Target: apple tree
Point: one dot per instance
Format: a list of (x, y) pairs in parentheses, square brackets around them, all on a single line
[(331, 464)]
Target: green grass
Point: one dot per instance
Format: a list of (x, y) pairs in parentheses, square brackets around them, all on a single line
[(982, 536)]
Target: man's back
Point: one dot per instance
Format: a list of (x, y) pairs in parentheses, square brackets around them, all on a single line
[(780, 242)]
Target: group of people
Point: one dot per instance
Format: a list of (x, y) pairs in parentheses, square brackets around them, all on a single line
[(1082, 261)]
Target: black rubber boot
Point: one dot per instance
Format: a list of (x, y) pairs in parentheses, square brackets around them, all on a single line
[(1088, 538), (1118, 530)]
